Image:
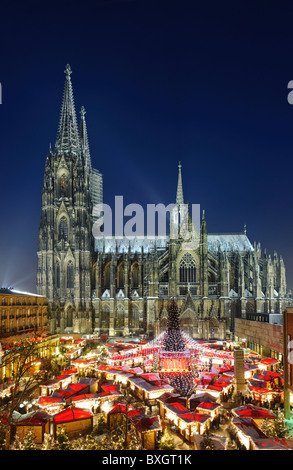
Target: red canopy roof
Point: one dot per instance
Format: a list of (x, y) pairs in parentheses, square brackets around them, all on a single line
[(76, 387), (118, 407), (111, 393), (274, 443), (69, 371), (70, 390), (61, 377), (216, 387), (250, 411), (191, 417), (269, 373), (177, 407), (47, 401), (110, 388), (36, 418), (85, 396), (269, 361), (147, 423), (137, 412), (71, 414), (208, 405)]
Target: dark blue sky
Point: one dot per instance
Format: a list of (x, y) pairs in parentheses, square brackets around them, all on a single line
[(162, 81)]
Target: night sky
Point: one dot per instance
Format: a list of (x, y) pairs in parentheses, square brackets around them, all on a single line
[(161, 81)]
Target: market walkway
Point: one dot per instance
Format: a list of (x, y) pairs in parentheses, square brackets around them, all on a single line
[(181, 444)]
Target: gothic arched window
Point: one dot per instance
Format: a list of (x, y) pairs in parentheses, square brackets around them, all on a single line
[(187, 268), (63, 229), (119, 320), (69, 317), (70, 275), (107, 276), (120, 276), (134, 317), (105, 317), (134, 276)]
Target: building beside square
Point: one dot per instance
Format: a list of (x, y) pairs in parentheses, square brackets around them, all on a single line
[(22, 312)]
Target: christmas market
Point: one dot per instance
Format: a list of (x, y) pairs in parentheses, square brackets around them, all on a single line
[(174, 384)]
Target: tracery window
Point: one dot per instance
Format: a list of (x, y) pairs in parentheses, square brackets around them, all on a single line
[(187, 268), (120, 276), (105, 317), (70, 275), (134, 317), (63, 229), (134, 276), (119, 320), (107, 276)]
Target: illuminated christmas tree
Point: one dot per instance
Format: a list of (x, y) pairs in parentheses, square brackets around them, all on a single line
[(167, 441), (174, 340)]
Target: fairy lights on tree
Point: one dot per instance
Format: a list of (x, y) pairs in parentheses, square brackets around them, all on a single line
[(174, 340)]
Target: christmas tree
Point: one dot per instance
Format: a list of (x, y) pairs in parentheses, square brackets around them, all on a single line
[(173, 340), (167, 441), (61, 441), (27, 443), (275, 427)]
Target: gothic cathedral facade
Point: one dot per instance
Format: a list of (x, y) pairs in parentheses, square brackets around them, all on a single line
[(120, 287)]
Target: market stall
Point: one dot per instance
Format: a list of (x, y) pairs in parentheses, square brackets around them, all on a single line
[(75, 420), (192, 422), (258, 414), (87, 401), (38, 422), (51, 405)]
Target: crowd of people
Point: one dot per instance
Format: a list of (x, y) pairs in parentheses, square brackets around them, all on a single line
[(183, 382)]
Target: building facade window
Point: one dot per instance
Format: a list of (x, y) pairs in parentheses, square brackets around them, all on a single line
[(63, 229), (187, 269), (135, 276), (70, 275)]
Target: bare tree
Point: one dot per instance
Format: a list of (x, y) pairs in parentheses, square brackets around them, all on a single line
[(19, 359)]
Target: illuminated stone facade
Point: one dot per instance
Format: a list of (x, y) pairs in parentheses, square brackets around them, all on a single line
[(122, 287), (22, 312)]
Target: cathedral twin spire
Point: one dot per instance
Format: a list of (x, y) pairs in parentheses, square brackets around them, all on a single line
[(84, 143), (179, 196), (71, 140)]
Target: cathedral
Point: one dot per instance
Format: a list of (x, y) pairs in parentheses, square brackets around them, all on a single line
[(123, 287)]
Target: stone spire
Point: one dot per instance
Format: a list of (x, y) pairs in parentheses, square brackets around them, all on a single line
[(84, 139), (67, 138), (204, 287), (179, 195)]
